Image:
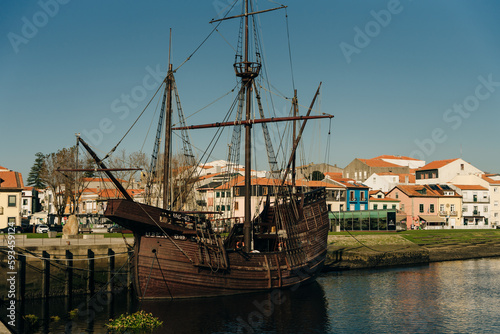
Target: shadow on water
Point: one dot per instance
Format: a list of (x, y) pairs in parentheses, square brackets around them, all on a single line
[(280, 311)]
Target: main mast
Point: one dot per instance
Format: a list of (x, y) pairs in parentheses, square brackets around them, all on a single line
[(168, 130), (247, 77)]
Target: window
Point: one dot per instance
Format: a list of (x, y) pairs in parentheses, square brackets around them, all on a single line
[(485, 209), (11, 221), (374, 180), (236, 205), (394, 206), (218, 208), (329, 207), (223, 194), (12, 200), (441, 207), (352, 198), (452, 207), (25, 201), (341, 207), (217, 194), (363, 196), (365, 174), (496, 214), (375, 206), (384, 207), (421, 209), (352, 207), (228, 208), (402, 207), (362, 207), (223, 208), (397, 195), (464, 208), (264, 191), (462, 166), (236, 191)]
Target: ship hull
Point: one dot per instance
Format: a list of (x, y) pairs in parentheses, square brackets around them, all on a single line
[(172, 262)]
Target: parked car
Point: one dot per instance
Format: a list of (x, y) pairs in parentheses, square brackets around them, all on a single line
[(14, 229), (55, 228), (118, 229), (42, 228)]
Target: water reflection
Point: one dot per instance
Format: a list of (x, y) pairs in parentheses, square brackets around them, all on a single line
[(280, 311), (451, 297)]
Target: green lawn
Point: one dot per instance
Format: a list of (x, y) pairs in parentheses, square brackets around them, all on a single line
[(434, 237)]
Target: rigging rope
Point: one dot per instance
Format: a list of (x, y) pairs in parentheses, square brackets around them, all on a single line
[(206, 38)]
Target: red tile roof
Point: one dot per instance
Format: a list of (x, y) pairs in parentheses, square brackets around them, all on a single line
[(10, 179), (378, 163), (437, 164), (398, 157), (490, 180), (470, 187)]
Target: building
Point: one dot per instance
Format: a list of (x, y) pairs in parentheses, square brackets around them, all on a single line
[(356, 194), (475, 205), (306, 171), (443, 171), (387, 181), (422, 203), (490, 182), (360, 169), (11, 190)]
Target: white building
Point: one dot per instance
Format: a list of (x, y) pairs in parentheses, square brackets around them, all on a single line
[(387, 181), (475, 205), (443, 171)]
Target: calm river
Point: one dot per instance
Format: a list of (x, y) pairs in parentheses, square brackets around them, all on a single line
[(448, 297)]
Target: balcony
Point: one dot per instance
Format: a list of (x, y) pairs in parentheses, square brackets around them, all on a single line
[(453, 213), (443, 213), (475, 212)]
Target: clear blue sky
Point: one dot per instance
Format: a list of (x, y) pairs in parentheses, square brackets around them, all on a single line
[(414, 78)]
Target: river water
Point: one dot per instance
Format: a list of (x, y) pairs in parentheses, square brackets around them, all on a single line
[(447, 297)]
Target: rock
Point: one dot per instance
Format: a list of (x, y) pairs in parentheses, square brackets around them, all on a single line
[(71, 226)]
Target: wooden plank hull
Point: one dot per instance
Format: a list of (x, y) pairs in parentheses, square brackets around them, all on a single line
[(175, 263)]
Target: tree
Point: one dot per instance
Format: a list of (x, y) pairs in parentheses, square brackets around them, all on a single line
[(66, 191), (34, 177), (317, 176)]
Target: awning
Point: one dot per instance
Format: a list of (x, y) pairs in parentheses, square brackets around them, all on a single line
[(400, 217), (432, 219)]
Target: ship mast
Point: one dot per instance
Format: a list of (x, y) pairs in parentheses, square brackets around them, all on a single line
[(168, 130)]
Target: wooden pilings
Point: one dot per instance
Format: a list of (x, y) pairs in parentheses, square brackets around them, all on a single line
[(66, 272), (68, 289), (111, 269), (90, 272), (45, 274)]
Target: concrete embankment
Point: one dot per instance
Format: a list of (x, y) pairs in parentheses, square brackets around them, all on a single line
[(388, 250)]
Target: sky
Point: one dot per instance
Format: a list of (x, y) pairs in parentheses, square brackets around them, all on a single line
[(412, 78)]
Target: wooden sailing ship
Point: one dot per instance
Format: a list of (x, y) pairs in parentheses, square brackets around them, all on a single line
[(178, 255)]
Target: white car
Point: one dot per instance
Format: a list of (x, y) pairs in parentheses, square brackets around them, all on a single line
[(42, 228)]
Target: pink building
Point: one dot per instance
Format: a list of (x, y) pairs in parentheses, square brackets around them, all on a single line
[(421, 203)]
